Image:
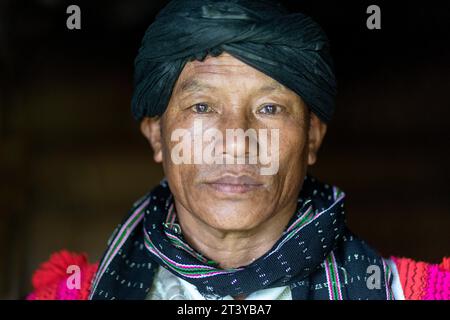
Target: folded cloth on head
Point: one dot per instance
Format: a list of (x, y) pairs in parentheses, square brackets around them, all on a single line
[(290, 48)]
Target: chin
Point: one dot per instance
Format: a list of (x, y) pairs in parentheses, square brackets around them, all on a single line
[(232, 218)]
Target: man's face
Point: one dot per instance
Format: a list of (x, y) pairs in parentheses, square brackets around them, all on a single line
[(225, 93)]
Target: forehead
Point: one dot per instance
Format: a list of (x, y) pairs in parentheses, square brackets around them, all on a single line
[(219, 64), (224, 68)]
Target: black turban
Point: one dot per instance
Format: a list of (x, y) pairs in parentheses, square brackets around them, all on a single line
[(290, 48)]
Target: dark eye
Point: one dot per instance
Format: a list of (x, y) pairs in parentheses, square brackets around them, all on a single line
[(270, 109), (201, 108)]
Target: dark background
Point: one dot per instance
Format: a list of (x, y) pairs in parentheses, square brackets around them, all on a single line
[(72, 160)]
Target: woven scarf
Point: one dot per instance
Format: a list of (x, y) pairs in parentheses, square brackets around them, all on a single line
[(316, 256)]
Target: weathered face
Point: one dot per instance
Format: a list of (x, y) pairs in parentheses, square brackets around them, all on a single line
[(225, 93)]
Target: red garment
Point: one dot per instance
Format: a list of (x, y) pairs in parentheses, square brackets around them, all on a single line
[(424, 281), (419, 280), (50, 281)]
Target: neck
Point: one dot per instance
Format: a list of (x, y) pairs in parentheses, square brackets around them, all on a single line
[(236, 248)]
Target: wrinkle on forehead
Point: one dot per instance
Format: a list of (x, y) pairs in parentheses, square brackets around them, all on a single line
[(224, 64), (221, 64)]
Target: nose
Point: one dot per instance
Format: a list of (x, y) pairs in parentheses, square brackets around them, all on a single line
[(240, 137)]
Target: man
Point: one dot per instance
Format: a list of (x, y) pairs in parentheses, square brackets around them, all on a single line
[(248, 88)]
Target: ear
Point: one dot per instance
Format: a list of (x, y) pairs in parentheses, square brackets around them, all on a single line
[(151, 129), (317, 130)]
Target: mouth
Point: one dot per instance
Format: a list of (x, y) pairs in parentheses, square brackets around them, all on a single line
[(234, 184)]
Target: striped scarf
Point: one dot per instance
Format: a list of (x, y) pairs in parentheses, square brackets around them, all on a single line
[(316, 256)]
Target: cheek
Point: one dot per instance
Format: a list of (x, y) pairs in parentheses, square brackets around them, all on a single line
[(293, 147), (172, 171), (179, 175), (293, 160)]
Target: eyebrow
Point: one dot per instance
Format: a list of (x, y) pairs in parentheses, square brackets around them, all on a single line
[(273, 86), (193, 85)]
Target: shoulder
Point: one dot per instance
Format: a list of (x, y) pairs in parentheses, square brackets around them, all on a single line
[(65, 276), (423, 281)]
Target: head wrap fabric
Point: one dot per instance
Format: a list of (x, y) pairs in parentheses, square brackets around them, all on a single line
[(316, 256), (290, 48)]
